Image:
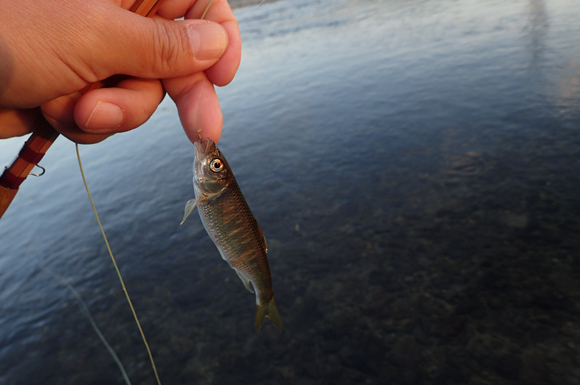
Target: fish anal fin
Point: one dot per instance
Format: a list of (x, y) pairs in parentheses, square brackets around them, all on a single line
[(245, 281), (268, 310), (189, 207)]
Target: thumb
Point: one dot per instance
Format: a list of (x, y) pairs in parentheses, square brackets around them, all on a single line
[(161, 49)]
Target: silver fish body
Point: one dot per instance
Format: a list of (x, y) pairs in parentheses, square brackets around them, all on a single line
[(231, 225)]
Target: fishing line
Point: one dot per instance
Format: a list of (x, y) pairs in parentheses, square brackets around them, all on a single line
[(250, 10), (116, 267), (89, 316), (111, 252), (206, 9)]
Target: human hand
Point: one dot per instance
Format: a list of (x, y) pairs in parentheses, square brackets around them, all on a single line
[(50, 50)]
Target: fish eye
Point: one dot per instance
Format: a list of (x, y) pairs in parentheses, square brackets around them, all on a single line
[(216, 165)]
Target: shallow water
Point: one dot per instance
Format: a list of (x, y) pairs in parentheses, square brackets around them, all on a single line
[(415, 166)]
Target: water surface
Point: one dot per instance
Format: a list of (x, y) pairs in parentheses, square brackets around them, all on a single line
[(415, 166)]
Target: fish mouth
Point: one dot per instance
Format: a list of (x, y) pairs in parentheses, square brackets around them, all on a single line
[(203, 147)]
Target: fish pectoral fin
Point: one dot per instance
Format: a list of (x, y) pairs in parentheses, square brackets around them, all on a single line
[(189, 206), (245, 280), (263, 239)]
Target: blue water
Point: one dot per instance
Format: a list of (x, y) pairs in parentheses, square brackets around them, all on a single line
[(415, 166)]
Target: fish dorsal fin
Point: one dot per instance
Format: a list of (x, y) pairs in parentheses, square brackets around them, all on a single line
[(245, 280), (189, 207), (263, 239)]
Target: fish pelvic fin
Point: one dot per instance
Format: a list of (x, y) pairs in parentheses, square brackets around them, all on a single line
[(189, 207), (268, 310), (245, 281)]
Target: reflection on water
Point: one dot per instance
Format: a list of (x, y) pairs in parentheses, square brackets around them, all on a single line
[(539, 27), (415, 168)]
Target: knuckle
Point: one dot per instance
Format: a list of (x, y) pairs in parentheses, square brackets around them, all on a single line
[(172, 48)]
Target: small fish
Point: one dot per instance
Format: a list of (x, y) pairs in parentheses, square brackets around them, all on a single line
[(231, 225)]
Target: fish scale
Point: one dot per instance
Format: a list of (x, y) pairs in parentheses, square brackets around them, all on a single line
[(238, 237), (232, 227)]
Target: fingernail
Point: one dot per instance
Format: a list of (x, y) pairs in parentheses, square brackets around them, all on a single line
[(209, 40), (104, 117)]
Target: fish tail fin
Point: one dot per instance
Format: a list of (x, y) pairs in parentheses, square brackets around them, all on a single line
[(268, 310)]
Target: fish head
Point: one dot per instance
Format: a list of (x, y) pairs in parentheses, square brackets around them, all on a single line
[(211, 172)]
